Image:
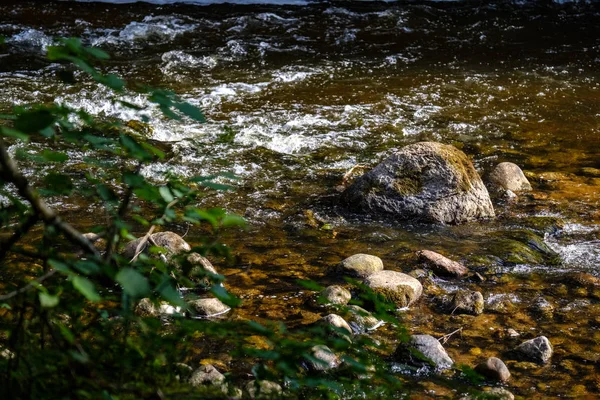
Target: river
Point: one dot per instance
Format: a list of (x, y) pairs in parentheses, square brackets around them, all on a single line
[(297, 94)]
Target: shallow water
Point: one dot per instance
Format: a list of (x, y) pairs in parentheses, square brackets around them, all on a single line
[(312, 91)]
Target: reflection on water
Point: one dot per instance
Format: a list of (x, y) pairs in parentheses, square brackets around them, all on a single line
[(311, 91)]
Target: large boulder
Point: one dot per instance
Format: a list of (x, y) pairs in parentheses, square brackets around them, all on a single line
[(429, 352), (395, 286), (427, 181)]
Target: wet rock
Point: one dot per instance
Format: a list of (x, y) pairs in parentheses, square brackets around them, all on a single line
[(395, 286), (207, 308), (146, 308), (172, 242), (542, 307), (521, 246), (463, 302), (582, 279), (512, 333), (263, 390), (501, 303), (324, 359), (509, 176), (336, 295), (206, 375), (537, 350), (429, 347), (493, 368), (440, 265), (360, 320), (418, 273), (360, 265), (425, 181), (184, 371), (97, 240), (338, 323), (499, 394)]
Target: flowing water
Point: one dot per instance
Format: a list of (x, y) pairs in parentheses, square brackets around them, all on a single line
[(297, 94)]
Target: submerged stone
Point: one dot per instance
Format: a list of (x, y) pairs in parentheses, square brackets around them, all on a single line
[(427, 181), (263, 390), (464, 302), (493, 368)]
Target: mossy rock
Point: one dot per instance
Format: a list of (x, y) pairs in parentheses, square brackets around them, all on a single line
[(426, 181), (522, 246)]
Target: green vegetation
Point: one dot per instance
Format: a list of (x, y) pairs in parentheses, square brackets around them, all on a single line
[(69, 326)]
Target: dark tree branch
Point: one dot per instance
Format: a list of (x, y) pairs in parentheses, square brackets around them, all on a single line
[(22, 230), (10, 172), (30, 285)]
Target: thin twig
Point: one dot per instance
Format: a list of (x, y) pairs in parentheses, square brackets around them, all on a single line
[(112, 231), (445, 338), (30, 285), (10, 172), (142, 245), (22, 230)]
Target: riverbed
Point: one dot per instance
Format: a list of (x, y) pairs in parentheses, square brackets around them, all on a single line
[(296, 95)]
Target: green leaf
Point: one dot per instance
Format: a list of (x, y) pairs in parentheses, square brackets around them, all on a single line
[(86, 288), (113, 82), (54, 156), (59, 266), (232, 220), (191, 111), (165, 194), (57, 184), (14, 133), (34, 121), (170, 294), (97, 53), (48, 300), (133, 283)]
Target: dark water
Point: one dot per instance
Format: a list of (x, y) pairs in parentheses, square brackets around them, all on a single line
[(312, 91)]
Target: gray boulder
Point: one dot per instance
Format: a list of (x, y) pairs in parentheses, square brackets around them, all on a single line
[(338, 323), (434, 353), (537, 350), (170, 241), (336, 295), (493, 368), (440, 265), (360, 320), (360, 265), (426, 181), (464, 302), (322, 359), (207, 308), (206, 375), (509, 176), (263, 390), (397, 287)]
